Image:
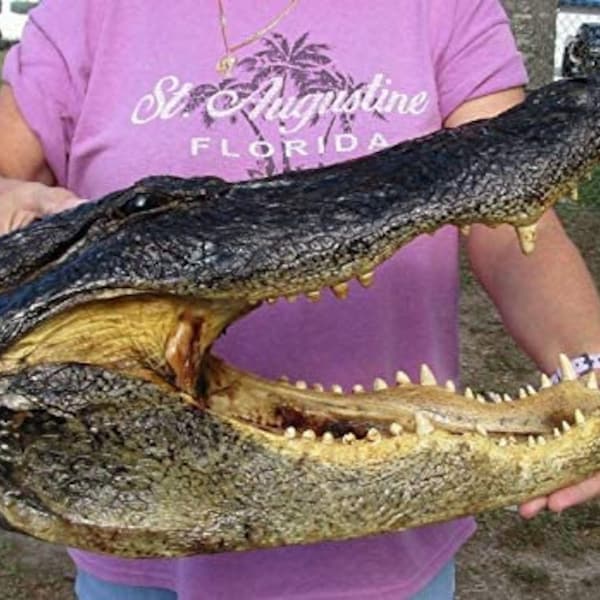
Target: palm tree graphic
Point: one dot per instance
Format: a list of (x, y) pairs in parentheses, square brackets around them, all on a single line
[(304, 68)]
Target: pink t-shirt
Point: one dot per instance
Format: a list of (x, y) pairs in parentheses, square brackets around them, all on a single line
[(119, 90)]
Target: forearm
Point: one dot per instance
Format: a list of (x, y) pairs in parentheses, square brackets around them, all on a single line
[(547, 300)]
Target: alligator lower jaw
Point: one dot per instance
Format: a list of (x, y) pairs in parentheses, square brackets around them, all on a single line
[(293, 411)]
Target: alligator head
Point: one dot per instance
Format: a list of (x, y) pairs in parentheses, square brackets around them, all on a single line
[(120, 432)]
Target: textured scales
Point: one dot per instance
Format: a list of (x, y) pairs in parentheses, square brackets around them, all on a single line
[(120, 433)]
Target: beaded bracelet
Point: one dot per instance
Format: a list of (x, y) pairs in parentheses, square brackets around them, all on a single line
[(582, 364)]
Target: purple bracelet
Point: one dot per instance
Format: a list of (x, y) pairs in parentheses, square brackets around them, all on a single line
[(582, 364)]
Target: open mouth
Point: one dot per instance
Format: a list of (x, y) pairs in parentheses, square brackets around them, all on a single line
[(121, 432)]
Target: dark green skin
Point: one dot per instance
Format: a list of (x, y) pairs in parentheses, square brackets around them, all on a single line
[(300, 231)]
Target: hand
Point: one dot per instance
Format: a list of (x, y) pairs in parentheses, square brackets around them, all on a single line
[(21, 202), (562, 499)]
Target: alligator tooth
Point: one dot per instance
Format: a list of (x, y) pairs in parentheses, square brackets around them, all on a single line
[(574, 192), (592, 382), (328, 437), (481, 430), (556, 432), (423, 425), (469, 394), (465, 230), (337, 389), (541, 440), (527, 236), (450, 386), (340, 290), (379, 384), (290, 433), (309, 434), (358, 389), (349, 438), (402, 377), (522, 393), (502, 442), (366, 279), (314, 296), (512, 439), (427, 376), (546, 382), (284, 379), (318, 387), (481, 399), (291, 298), (271, 300), (507, 398), (568, 372), (531, 441), (565, 427), (531, 390), (373, 435), (301, 385), (496, 398), (396, 429), (579, 418)]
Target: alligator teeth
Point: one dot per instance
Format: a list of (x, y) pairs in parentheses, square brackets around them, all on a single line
[(541, 440), (579, 418), (349, 438), (450, 386), (531, 441), (507, 398), (565, 427), (503, 442), (318, 387), (465, 230), (574, 193), (328, 438), (291, 298), (423, 425), (522, 393), (284, 379), (481, 430), (592, 382), (290, 433), (396, 429), (337, 389), (373, 435), (557, 433), (309, 434), (271, 300), (379, 384), (546, 382), (531, 390), (402, 378), (366, 279), (340, 290), (427, 376), (358, 389), (301, 385), (469, 394), (314, 296), (566, 367), (496, 398), (481, 399), (527, 236)]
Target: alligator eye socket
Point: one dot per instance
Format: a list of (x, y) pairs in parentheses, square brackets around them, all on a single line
[(145, 202)]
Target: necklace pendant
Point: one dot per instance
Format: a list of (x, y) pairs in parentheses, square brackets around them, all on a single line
[(226, 64)]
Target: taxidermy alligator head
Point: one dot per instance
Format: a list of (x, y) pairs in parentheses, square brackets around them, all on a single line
[(119, 432)]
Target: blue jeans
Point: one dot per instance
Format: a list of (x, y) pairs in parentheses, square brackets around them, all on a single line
[(88, 587)]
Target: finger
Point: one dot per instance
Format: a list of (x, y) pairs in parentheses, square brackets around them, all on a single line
[(530, 509), (58, 200), (575, 494), (18, 219)]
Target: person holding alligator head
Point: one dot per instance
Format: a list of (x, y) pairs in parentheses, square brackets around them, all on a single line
[(102, 93)]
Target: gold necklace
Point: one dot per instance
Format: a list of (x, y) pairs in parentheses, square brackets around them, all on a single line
[(228, 61)]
